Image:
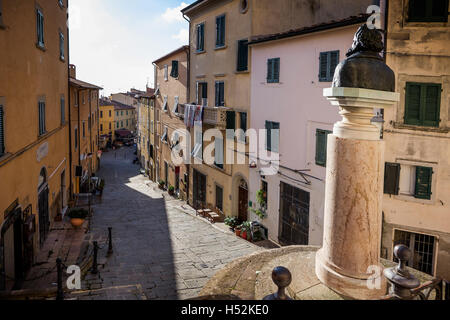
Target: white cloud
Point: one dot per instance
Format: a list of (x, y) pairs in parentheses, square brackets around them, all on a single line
[(182, 36), (174, 14)]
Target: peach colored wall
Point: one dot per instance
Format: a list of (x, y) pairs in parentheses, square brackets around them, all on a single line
[(297, 103)]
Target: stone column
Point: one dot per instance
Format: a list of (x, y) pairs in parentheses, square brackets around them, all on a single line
[(354, 190)]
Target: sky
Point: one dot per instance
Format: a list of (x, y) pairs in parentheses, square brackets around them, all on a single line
[(114, 42)]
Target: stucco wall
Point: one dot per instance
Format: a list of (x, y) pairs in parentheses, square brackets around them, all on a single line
[(297, 103)]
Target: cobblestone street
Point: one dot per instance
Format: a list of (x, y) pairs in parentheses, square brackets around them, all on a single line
[(161, 250)]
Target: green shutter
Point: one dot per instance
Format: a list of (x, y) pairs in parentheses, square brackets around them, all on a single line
[(275, 137), (276, 70), (422, 104), (423, 182), (321, 147), (413, 101), (391, 178), (2, 132), (268, 136), (432, 105), (334, 61), (323, 64), (270, 70)]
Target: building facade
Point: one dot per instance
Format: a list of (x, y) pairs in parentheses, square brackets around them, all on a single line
[(84, 123), (145, 134), (416, 204), (106, 122), (34, 130), (171, 78), (297, 128)]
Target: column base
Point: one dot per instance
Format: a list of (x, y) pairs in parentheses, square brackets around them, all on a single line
[(353, 288)]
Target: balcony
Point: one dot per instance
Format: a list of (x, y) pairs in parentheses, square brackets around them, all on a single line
[(215, 116)]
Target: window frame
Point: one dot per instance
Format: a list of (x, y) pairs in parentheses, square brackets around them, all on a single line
[(174, 73), (321, 162), (240, 50), (273, 75), (42, 130), (62, 44), (221, 31), (40, 27), (200, 35), (63, 109), (269, 138), (329, 70), (218, 85), (427, 18), (423, 106)]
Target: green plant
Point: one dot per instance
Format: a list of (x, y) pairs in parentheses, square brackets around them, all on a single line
[(246, 226), (171, 189), (162, 183), (262, 205), (257, 235), (78, 213), (232, 222)]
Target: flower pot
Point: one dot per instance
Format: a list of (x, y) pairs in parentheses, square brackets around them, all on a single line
[(76, 223), (238, 232), (244, 235)]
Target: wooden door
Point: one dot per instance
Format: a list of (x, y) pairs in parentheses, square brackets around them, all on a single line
[(243, 204)]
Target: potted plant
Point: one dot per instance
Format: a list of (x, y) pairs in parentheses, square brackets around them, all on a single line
[(77, 216), (246, 228), (231, 222), (161, 184), (237, 231), (171, 190)]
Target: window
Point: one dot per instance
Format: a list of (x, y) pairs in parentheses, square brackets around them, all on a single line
[(61, 45), (76, 138), (152, 126), (117, 125), (121, 124), (174, 72), (84, 130), (201, 37), (166, 72), (328, 62), (220, 94), (1, 14), (127, 112), (175, 105), (63, 111), (231, 124), (89, 122), (321, 147), (101, 127), (272, 136), (110, 113), (218, 152), (127, 122), (273, 70), (121, 113), (264, 188), (197, 152), (202, 93), (220, 31), (165, 103), (41, 110), (117, 113), (423, 101), (219, 197), (40, 27), (428, 11), (110, 126), (165, 134), (243, 125), (101, 114), (244, 6), (2, 131), (408, 180), (61, 3), (422, 248), (242, 61)]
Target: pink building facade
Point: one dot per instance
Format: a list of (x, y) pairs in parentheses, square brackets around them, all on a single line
[(289, 74)]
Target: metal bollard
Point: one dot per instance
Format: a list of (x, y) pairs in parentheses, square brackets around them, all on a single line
[(95, 265), (282, 277), (60, 291), (110, 247)]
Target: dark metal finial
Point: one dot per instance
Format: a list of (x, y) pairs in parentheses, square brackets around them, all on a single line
[(402, 281), (282, 277)]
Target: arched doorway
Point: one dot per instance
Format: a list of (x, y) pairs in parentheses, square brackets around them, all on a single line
[(243, 200), (44, 218)]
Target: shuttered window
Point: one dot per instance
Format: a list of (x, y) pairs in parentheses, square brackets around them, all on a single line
[(423, 183), (321, 147), (165, 103), (166, 72), (328, 62), (220, 31), (428, 11), (1, 14), (76, 138), (41, 111), (40, 27), (272, 136), (273, 70), (218, 152), (63, 111), (175, 105), (423, 102), (219, 198), (200, 37), (2, 131), (231, 124), (391, 178), (242, 61), (174, 72), (220, 94), (243, 125), (61, 45)]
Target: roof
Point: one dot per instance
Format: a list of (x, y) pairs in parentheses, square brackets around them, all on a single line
[(310, 29), (117, 105), (81, 84), (193, 6), (180, 49)]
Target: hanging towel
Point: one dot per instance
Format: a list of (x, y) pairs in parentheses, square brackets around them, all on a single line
[(191, 115), (198, 114), (186, 115)]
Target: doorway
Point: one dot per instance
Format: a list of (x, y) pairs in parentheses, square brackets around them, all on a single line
[(44, 218), (243, 201), (199, 190), (177, 180)]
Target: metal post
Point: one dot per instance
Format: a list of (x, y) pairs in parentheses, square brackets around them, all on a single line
[(60, 291), (95, 265), (110, 247), (282, 277)]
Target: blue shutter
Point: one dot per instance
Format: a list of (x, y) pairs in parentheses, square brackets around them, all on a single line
[(334, 61)]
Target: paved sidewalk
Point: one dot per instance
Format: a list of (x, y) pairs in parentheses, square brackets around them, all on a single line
[(161, 250)]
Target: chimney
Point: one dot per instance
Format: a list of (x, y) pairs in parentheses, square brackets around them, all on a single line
[(72, 71)]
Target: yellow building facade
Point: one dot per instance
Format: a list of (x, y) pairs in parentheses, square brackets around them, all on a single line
[(34, 130), (145, 134)]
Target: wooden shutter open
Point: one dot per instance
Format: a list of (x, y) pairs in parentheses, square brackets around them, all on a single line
[(413, 102), (432, 105), (391, 178), (423, 183)]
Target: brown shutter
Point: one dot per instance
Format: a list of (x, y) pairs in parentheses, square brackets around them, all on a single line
[(391, 178)]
